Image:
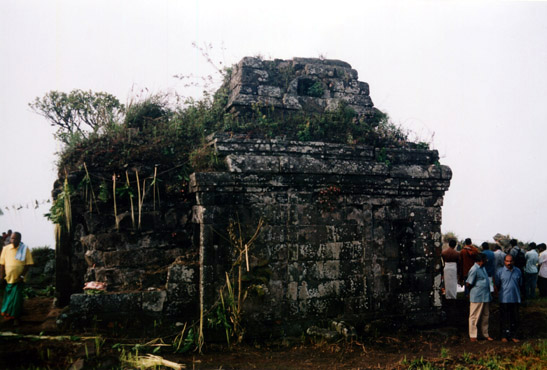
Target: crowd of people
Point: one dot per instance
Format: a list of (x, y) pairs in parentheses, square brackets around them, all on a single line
[(6, 238), (15, 261), (512, 275)]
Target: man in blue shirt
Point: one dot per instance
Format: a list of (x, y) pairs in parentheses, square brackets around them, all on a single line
[(478, 284), (508, 282)]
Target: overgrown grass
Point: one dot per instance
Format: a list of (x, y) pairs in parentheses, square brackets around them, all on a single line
[(527, 356)]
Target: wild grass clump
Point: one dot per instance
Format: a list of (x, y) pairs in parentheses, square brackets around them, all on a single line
[(342, 125)]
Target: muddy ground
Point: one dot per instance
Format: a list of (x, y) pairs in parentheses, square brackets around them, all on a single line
[(444, 346)]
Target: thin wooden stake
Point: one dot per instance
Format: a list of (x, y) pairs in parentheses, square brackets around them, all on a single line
[(114, 197), (247, 256), (130, 199), (92, 192), (154, 189), (143, 195), (67, 204), (139, 197)]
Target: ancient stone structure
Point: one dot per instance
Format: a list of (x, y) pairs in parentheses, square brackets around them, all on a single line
[(350, 231), (345, 236), (307, 84)]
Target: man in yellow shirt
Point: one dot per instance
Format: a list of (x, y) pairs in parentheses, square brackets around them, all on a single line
[(15, 260)]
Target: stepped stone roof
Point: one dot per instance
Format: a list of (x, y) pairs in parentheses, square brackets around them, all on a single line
[(299, 84)]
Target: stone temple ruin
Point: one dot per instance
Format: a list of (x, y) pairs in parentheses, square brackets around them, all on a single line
[(345, 236), (299, 84)]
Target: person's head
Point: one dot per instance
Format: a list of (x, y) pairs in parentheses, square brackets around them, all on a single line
[(16, 239), (542, 246), (468, 241), (497, 247), (452, 243), (513, 242), (508, 261), (532, 245), (480, 258), (485, 246)]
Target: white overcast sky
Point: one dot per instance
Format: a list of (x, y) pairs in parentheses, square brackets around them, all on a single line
[(471, 75)]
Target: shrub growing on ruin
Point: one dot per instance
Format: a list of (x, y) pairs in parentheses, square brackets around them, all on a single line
[(78, 113)]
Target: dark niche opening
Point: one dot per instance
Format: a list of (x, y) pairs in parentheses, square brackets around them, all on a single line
[(309, 87)]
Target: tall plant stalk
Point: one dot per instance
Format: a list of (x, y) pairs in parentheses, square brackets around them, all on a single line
[(67, 205), (140, 197), (93, 198), (232, 298), (201, 337), (130, 199), (115, 206), (154, 188)]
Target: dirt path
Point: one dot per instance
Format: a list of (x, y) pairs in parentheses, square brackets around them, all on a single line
[(444, 346)]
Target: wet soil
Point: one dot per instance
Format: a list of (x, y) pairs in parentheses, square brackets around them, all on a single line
[(38, 343)]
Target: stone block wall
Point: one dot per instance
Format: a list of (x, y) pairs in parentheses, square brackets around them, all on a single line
[(174, 299), (345, 235), (151, 272), (350, 232)]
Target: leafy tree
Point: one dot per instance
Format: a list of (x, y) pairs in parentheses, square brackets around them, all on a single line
[(78, 112)]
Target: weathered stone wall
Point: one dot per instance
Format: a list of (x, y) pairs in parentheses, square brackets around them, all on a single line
[(150, 271), (345, 235), (144, 278), (350, 232)]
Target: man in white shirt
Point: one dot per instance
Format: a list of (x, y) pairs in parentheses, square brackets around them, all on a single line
[(531, 272), (542, 276), (499, 256)]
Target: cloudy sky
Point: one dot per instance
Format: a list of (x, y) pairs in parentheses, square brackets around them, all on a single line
[(468, 76)]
